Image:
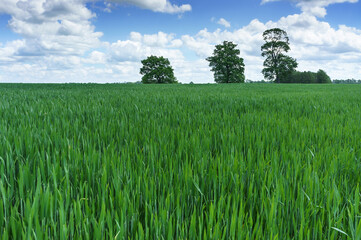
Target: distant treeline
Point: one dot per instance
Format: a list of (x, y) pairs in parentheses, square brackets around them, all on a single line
[(262, 81), (347, 81), (302, 77), (307, 77)]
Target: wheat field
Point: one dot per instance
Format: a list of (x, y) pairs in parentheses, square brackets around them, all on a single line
[(133, 161)]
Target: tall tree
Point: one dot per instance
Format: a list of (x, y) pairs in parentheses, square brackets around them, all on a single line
[(226, 64), (277, 65), (157, 70)]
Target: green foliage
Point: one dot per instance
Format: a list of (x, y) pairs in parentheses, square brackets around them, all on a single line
[(307, 77), (301, 77), (277, 65), (157, 70), (226, 64), (229, 161), (322, 77), (346, 81)]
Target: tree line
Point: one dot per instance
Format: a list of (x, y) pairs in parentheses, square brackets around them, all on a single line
[(347, 81), (229, 67)]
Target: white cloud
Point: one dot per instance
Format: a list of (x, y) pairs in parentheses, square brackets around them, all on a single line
[(314, 7), (196, 71), (248, 38), (108, 7), (163, 6), (314, 43), (52, 26), (157, 40), (96, 57), (8, 51), (224, 23), (141, 46), (60, 44), (306, 32), (201, 46)]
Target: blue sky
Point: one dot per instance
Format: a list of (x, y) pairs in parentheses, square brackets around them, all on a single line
[(240, 13), (104, 41)]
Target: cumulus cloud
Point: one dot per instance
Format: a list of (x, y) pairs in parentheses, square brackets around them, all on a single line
[(307, 32), (51, 26), (163, 6), (314, 7), (60, 45), (140, 46), (314, 43), (9, 51), (96, 57), (248, 38), (224, 22)]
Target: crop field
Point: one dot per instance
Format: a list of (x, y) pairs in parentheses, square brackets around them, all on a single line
[(129, 161)]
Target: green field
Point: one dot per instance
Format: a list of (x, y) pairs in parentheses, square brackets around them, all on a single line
[(127, 161)]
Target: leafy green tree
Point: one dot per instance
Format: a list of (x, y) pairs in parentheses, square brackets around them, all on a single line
[(277, 65), (226, 64), (307, 77), (300, 77), (322, 77), (157, 70)]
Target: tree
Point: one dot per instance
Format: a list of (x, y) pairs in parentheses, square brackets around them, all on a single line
[(322, 77), (277, 65), (307, 77), (226, 64), (157, 70), (300, 77)]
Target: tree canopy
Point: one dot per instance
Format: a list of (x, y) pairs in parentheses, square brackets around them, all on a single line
[(226, 64), (307, 77), (277, 65), (322, 77), (157, 70)]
